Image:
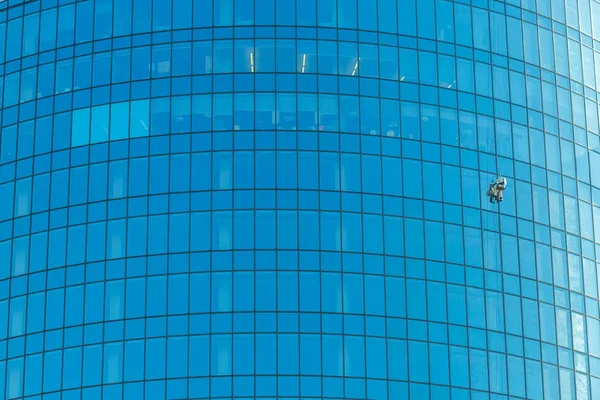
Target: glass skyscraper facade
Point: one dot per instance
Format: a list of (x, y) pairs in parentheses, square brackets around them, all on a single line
[(285, 199)]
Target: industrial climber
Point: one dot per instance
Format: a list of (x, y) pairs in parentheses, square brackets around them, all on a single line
[(496, 189)]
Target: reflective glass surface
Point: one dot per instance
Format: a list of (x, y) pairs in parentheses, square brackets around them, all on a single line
[(279, 199)]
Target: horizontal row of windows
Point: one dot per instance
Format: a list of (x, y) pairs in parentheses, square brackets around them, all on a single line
[(341, 113), (355, 295), (351, 147), (474, 278), (550, 208), (18, 201), (434, 212), (577, 218), (312, 388), (292, 230), (389, 146), (303, 170), (556, 53), (305, 322), (423, 122), (322, 112), (320, 356), (303, 57), (453, 22), (239, 387), (330, 239), (262, 42), (575, 274), (372, 266)]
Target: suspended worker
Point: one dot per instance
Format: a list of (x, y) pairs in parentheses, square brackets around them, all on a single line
[(496, 189)]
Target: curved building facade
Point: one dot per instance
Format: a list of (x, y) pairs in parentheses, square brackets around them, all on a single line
[(262, 199)]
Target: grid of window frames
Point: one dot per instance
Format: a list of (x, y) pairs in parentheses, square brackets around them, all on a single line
[(260, 199)]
